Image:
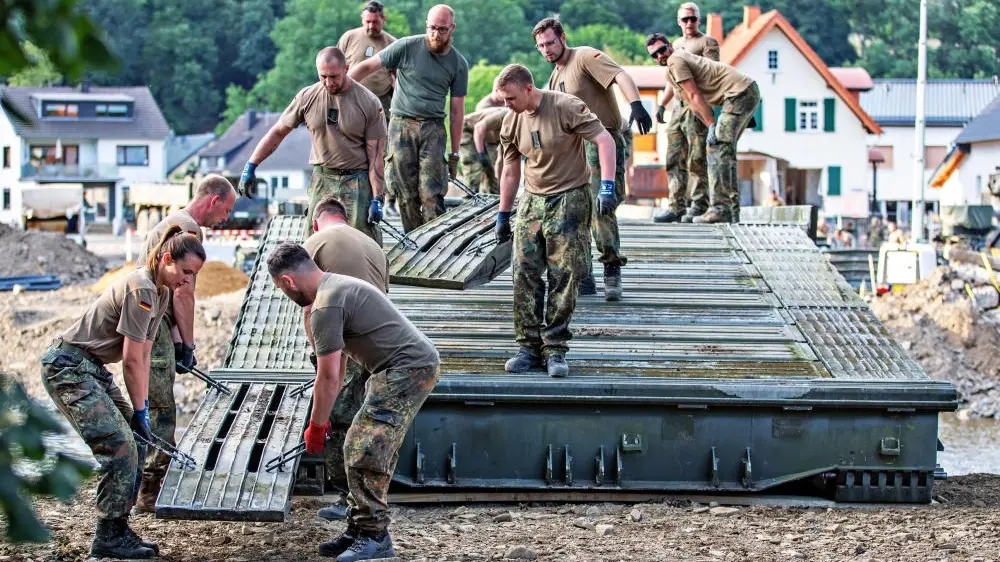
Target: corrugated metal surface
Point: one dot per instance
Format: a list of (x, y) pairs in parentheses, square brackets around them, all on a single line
[(950, 102), (854, 265)]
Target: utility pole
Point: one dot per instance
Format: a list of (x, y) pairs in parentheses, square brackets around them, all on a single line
[(917, 216)]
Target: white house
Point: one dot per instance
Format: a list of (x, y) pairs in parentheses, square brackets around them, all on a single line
[(949, 105), (102, 138), (963, 178), (286, 171)]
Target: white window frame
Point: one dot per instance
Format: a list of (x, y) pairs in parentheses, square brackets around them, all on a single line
[(773, 53), (809, 118)]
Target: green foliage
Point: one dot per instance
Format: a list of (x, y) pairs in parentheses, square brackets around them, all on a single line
[(41, 72), (578, 13), (488, 31), (622, 45), (396, 23), (481, 78), (536, 63), (22, 424)]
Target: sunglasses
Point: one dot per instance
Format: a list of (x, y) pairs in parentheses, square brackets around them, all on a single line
[(689, 19), (656, 54)]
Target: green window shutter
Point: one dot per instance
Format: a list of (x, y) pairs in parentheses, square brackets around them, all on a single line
[(791, 105), (833, 180), (758, 115), (829, 114)]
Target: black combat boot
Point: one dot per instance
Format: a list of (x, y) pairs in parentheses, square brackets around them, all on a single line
[(525, 360), (146, 544), (670, 215), (588, 286), (339, 545), (333, 512), (557, 366), (113, 540), (369, 546), (612, 282)]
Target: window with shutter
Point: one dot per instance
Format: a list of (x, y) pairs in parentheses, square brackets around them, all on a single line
[(829, 114), (833, 181), (758, 115), (791, 113)]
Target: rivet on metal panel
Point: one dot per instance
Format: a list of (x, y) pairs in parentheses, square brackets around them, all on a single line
[(620, 468), (747, 478), (631, 442), (567, 466), (889, 447), (548, 466), (599, 466), (714, 469), (420, 463), (452, 464)]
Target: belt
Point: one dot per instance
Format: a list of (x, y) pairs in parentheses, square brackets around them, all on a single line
[(341, 171), (408, 118), (63, 346)]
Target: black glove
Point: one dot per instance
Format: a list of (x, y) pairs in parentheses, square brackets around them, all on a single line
[(484, 159), (248, 180), (502, 228), (184, 354), (312, 359), (375, 210), (641, 117), (659, 115), (140, 423)]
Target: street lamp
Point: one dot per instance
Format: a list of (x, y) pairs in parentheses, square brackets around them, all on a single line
[(875, 157)]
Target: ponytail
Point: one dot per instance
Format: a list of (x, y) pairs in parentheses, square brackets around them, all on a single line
[(178, 244)]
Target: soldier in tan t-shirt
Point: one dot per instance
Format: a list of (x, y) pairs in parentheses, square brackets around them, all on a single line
[(173, 343), (348, 129), (702, 83), (477, 162), (589, 74), (119, 326), (553, 215), (362, 43), (352, 318)]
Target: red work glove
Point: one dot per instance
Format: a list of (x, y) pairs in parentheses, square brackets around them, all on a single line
[(316, 437)]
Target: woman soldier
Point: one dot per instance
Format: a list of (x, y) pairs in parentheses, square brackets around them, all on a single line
[(120, 326)]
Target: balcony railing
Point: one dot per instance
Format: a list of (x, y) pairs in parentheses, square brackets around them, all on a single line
[(69, 171)]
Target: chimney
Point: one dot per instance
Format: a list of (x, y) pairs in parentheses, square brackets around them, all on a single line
[(750, 15), (714, 26), (251, 119)]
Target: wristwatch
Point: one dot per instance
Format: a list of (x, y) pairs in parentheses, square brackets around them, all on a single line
[(455, 154)]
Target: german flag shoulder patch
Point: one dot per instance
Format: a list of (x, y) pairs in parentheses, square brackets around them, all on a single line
[(145, 305)]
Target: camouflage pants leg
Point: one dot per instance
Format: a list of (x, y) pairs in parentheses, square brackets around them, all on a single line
[(162, 408), (86, 394), (386, 100), (677, 160), (551, 236), (722, 175), (416, 168), (371, 448), (472, 170), (605, 227), (492, 183), (354, 191), (352, 395), (697, 162)]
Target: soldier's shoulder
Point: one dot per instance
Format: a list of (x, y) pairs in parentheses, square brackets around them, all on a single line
[(310, 92), (711, 41), (139, 281)]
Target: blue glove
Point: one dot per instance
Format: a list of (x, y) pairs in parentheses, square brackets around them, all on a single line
[(710, 139), (606, 200), (248, 181), (502, 228), (375, 210), (140, 422)]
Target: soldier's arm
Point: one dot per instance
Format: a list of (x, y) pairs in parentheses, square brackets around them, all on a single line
[(135, 368), (627, 86), (479, 136), (457, 115), (270, 142), (698, 103), (365, 69), (329, 376), (510, 177), (711, 50), (376, 165), (306, 316), (668, 96), (183, 300), (606, 154)]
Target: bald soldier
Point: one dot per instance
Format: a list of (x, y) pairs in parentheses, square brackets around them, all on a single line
[(347, 125), (553, 214), (428, 69), (174, 341), (687, 157), (589, 74), (480, 137), (702, 83)]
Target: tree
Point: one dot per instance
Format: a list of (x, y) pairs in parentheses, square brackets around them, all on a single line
[(622, 45), (125, 24), (488, 31), (41, 72), (481, 77), (578, 13), (256, 50)]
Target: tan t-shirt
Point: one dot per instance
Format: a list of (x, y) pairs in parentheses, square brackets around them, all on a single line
[(340, 125), (346, 250), (358, 47), (588, 74), (130, 307), (715, 80), (493, 121), (488, 102), (182, 218), (702, 45), (354, 316), (551, 138), (471, 120)]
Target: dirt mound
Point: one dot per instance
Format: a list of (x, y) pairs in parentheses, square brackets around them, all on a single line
[(952, 338), (42, 253), (216, 278), (110, 277)]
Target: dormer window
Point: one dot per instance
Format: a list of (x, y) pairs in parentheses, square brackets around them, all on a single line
[(111, 110), (54, 109), (772, 60)]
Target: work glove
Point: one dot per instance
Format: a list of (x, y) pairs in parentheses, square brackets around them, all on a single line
[(502, 228), (659, 115), (375, 210), (248, 181), (312, 359), (710, 139), (453, 164), (606, 200), (316, 437), (484, 159), (184, 354), (140, 422), (641, 117)]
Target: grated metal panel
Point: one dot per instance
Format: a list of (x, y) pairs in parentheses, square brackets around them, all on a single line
[(805, 279), (773, 238)]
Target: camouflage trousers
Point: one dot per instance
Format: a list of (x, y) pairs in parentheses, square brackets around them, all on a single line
[(85, 393), (371, 447), (723, 180), (605, 227), (416, 169), (352, 395), (354, 190), (386, 101), (687, 162), (162, 408), (551, 243), (478, 177)]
